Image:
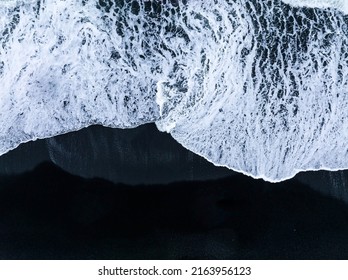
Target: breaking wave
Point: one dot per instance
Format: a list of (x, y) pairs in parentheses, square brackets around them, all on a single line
[(260, 87)]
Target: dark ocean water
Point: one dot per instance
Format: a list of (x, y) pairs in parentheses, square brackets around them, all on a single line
[(171, 204)]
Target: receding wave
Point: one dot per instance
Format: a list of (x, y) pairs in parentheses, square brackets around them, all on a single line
[(258, 86)]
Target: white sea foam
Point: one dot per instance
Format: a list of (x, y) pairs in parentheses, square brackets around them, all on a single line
[(269, 98), (66, 65), (257, 86), (341, 5)]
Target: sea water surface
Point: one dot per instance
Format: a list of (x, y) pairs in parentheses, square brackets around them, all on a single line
[(257, 86)]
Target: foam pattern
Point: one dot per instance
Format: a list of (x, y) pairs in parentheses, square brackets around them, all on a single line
[(268, 96), (69, 64), (258, 86)]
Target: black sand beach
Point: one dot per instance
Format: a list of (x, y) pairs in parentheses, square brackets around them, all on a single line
[(206, 213)]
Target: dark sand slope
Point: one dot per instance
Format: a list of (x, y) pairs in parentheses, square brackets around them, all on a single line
[(115, 155), (50, 214), (137, 156)]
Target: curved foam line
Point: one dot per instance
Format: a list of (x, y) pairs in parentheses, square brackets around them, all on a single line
[(263, 176), (341, 5)]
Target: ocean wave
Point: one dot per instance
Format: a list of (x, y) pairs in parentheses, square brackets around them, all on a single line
[(341, 5), (257, 86)]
